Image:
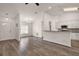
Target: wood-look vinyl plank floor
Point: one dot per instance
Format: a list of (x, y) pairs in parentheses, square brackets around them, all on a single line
[(45, 48), (37, 47), (6, 49)]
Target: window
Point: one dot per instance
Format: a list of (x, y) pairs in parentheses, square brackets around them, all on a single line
[(24, 29)]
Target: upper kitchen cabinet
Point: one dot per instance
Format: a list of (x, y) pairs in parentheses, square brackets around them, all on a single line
[(70, 19)]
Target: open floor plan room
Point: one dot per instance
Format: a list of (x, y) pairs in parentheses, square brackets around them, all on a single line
[(39, 29)]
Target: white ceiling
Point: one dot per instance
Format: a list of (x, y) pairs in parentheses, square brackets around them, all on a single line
[(44, 6), (9, 9), (13, 8)]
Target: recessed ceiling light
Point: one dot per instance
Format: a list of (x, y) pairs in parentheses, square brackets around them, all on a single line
[(71, 9), (49, 7)]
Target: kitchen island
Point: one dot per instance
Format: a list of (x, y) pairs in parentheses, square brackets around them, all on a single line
[(59, 37)]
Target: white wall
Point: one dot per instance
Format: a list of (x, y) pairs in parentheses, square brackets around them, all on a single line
[(37, 25), (8, 31)]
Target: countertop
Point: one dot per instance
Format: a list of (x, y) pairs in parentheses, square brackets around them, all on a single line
[(73, 30), (56, 31)]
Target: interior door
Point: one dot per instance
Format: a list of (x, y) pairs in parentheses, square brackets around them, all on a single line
[(7, 30)]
